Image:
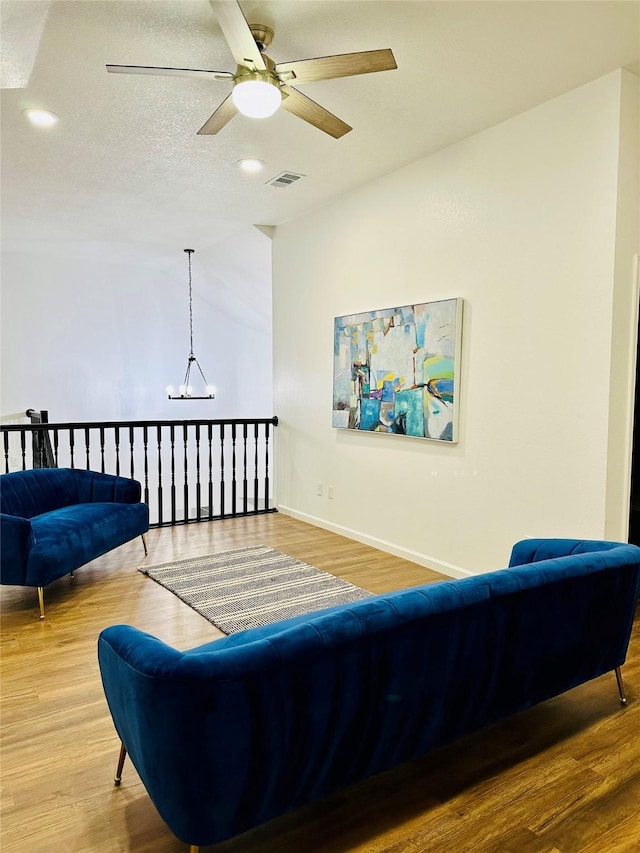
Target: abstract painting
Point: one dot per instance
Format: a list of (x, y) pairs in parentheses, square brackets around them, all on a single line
[(397, 370)]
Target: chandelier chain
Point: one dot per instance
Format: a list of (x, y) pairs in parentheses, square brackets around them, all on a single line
[(189, 253)]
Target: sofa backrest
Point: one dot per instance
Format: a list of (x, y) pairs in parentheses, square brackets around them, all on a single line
[(39, 490), (32, 492), (534, 550)]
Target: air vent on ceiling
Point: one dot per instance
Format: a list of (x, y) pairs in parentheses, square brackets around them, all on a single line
[(284, 179)]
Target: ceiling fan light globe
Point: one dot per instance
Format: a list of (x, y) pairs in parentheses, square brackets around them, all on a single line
[(256, 98)]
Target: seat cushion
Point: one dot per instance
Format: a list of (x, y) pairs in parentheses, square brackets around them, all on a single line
[(67, 538)]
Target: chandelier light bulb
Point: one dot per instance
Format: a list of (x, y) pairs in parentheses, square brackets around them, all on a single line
[(182, 390), (256, 98)]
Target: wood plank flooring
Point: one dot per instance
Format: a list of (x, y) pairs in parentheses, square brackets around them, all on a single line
[(563, 777)]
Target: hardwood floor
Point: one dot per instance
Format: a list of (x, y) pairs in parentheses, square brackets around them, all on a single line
[(563, 777)]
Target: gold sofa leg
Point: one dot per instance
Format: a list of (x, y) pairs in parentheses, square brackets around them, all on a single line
[(193, 848), (144, 544), (121, 758), (41, 601), (623, 698)]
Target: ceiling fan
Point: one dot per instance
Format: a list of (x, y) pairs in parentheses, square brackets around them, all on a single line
[(260, 85)]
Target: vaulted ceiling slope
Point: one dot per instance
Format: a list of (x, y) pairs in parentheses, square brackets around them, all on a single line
[(125, 161)]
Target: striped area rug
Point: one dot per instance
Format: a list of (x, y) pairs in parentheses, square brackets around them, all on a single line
[(253, 586)]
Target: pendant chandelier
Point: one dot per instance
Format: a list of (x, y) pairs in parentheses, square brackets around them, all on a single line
[(186, 390)]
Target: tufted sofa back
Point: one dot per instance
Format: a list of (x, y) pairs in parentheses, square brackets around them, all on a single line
[(33, 492)]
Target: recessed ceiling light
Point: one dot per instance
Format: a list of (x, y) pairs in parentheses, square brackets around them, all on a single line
[(41, 118), (250, 164)]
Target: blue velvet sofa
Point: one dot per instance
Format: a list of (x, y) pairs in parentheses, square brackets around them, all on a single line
[(54, 520), (238, 731)]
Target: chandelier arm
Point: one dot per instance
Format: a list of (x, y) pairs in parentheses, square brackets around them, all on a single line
[(187, 373), (204, 378)]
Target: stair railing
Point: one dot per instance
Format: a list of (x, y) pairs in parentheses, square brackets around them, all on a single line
[(190, 470)]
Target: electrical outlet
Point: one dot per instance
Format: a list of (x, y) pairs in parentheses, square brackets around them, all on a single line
[(330, 492), (319, 490)]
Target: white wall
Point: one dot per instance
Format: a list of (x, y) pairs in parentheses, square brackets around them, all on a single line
[(521, 221), (91, 334), (625, 312)]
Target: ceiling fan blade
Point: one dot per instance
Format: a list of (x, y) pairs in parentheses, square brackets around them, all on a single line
[(238, 35), (222, 115), (306, 109), (169, 72), (341, 65)]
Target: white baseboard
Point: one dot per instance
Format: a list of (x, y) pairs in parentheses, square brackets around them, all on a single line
[(382, 545)]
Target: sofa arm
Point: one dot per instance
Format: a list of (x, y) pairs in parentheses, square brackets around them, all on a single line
[(15, 541), (534, 550), (93, 487), (137, 652)]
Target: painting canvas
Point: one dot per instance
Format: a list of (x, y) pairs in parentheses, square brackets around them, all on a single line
[(397, 370)]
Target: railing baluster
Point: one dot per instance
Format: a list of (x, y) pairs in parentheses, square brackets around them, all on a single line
[(233, 469), (72, 441), (198, 501), (5, 439), (173, 474), (131, 446), (87, 446), (159, 438), (102, 449), (55, 447), (222, 483), (23, 449), (185, 439), (266, 466), (116, 438), (209, 441), (145, 443), (244, 469), (255, 469)]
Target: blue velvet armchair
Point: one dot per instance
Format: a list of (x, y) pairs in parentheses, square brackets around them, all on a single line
[(54, 520)]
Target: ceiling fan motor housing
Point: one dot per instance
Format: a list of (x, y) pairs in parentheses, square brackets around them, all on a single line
[(243, 72), (262, 34)]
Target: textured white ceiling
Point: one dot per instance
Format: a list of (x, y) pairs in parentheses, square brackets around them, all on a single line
[(21, 26), (124, 168)]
